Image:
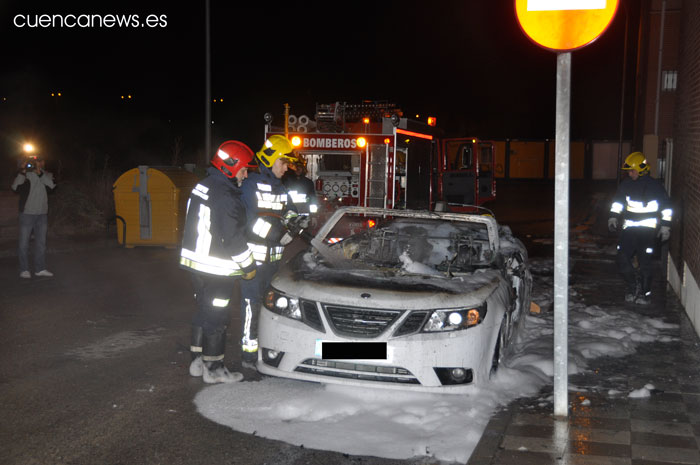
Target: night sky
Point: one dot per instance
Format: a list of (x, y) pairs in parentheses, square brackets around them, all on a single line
[(465, 62)]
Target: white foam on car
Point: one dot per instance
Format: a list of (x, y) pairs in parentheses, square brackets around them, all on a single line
[(400, 425)]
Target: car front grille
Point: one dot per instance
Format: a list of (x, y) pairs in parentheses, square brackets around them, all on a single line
[(359, 322), (358, 371), (412, 324), (310, 316)]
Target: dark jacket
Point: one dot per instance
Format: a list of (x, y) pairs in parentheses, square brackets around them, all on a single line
[(214, 241), (642, 203), (266, 201), (302, 192)]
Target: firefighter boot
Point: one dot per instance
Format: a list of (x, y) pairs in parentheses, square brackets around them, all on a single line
[(197, 365), (631, 293), (644, 297), (629, 275), (213, 356), (216, 372), (248, 360), (631, 290)]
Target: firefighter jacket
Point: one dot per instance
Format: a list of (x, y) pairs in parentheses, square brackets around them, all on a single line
[(642, 203), (266, 201), (301, 191), (214, 240)]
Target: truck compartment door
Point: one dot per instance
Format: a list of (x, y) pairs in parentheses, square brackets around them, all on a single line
[(418, 174), (459, 181), (377, 157), (458, 187), (485, 171)]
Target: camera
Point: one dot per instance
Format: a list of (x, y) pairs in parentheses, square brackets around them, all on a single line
[(31, 163)]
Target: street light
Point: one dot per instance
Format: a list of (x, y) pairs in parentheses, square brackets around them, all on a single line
[(28, 147)]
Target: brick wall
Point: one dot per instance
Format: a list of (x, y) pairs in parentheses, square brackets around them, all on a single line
[(685, 184)]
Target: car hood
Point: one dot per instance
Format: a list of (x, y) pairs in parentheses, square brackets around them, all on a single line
[(374, 288)]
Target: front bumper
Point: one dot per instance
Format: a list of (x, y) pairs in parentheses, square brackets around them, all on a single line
[(409, 365)]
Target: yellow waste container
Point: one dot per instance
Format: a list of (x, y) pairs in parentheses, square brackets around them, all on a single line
[(150, 204)]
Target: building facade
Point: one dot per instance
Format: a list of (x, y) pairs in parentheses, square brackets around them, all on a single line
[(683, 174)]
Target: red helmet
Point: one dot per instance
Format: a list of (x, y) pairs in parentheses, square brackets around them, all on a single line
[(232, 156)]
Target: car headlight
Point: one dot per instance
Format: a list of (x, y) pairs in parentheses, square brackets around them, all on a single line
[(282, 304), (454, 319)]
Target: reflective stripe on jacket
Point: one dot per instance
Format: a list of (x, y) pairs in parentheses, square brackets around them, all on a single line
[(302, 192), (266, 201), (214, 239), (642, 203)]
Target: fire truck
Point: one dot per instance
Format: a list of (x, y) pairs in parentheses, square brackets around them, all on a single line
[(369, 154)]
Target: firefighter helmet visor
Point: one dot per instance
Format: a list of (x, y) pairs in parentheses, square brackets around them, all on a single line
[(231, 157), (636, 161), (274, 148)]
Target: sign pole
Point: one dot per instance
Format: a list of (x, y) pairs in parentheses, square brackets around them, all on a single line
[(207, 83), (563, 26), (561, 235)]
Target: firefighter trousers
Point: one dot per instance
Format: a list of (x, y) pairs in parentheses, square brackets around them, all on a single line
[(213, 297), (252, 293), (639, 242)]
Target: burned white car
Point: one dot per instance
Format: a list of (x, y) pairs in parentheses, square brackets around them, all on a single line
[(397, 299)]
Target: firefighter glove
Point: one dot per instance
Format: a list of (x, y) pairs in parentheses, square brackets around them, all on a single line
[(286, 239), (249, 275), (304, 221), (664, 233), (289, 216), (296, 224), (612, 224)]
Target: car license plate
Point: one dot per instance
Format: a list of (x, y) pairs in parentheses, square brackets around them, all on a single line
[(351, 350)]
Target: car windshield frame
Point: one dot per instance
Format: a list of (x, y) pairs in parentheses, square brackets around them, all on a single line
[(326, 234)]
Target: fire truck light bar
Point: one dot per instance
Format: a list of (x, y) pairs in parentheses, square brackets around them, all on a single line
[(414, 134)]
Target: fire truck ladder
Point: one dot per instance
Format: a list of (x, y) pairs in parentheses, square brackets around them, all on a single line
[(377, 158), (330, 117)]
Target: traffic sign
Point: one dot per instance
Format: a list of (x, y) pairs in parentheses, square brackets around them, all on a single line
[(564, 25)]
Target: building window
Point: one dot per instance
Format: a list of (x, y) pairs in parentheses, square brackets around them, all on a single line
[(668, 80)]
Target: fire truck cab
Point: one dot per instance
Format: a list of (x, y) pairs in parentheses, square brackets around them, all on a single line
[(370, 155)]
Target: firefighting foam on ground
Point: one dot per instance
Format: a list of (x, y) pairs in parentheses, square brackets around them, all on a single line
[(402, 425)]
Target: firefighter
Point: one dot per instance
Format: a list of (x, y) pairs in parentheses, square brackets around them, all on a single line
[(301, 189), (643, 208), (269, 212), (216, 252)]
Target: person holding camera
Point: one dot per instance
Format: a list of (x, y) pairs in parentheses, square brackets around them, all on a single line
[(33, 185)]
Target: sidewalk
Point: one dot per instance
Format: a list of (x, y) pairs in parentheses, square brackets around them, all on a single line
[(607, 427)]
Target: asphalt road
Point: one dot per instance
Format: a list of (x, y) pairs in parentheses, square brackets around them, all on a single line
[(94, 366)]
